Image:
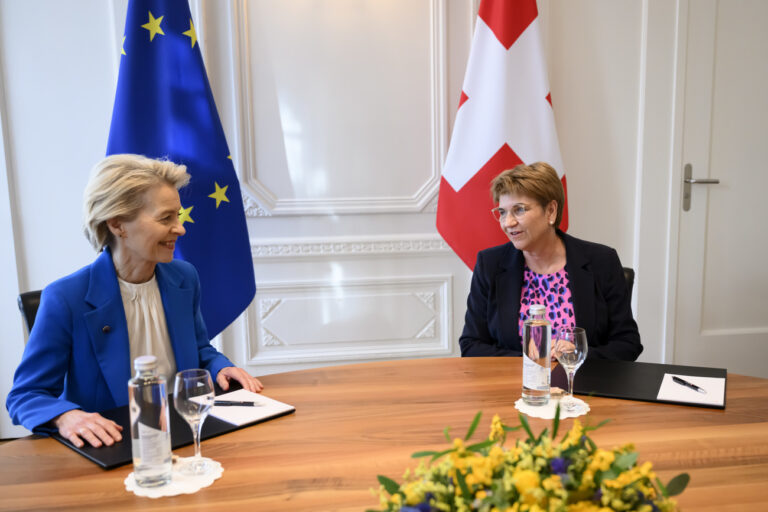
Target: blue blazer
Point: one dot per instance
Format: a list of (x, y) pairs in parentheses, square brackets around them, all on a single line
[(601, 302), (78, 355)]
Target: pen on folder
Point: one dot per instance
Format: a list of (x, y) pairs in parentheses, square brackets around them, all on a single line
[(231, 403), (689, 385)]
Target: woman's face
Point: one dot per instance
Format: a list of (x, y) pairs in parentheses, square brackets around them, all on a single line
[(150, 238), (526, 230)]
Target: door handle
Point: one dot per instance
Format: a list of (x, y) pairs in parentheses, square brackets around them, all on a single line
[(688, 181), (703, 181)]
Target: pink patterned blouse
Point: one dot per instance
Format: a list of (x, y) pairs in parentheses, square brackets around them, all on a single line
[(551, 290)]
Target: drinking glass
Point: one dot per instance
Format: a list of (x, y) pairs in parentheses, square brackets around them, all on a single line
[(193, 398), (570, 351)]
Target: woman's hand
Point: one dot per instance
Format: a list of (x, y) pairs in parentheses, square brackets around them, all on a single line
[(241, 376), (561, 346), (90, 426)]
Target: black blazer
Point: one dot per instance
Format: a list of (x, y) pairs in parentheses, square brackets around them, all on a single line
[(601, 303)]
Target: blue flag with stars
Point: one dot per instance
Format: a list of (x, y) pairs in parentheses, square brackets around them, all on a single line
[(164, 109)]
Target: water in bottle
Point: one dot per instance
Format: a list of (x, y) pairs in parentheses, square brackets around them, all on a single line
[(537, 333), (150, 424)]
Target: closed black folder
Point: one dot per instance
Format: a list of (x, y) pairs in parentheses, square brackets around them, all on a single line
[(109, 457), (630, 380)]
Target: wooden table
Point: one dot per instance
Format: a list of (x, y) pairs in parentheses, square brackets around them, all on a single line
[(355, 422)]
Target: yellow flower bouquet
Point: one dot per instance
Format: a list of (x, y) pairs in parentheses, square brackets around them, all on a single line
[(537, 474)]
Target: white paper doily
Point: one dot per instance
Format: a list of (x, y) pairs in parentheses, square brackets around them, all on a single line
[(547, 411), (179, 484)]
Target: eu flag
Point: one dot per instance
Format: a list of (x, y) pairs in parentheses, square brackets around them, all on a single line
[(164, 109)]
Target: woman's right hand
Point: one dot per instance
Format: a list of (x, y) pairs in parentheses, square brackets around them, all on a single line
[(78, 425)]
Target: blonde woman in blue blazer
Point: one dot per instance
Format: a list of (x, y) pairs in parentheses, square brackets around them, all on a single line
[(132, 300)]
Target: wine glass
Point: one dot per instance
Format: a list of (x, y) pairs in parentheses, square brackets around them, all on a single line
[(193, 397), (570, 351)]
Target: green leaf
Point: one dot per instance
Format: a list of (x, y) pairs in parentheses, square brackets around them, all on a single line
[(678, 484), (543, 434), (463, 484), (390, 485), (417, 455), (446, 433), (440, 454), (589, 428), (511, 429), (625, 461), (473, 426), (527, 427), (556, 422), (477, 447), (569, 452), (662, 488), (610, 474)]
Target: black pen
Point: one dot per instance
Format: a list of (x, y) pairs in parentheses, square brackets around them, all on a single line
[(235, 403), (689, 385)]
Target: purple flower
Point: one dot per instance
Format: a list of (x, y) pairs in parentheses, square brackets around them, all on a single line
[(559, 465), (598, 494), (421, 507), (424, 506)]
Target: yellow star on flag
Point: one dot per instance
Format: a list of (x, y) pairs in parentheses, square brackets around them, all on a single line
[(184, 215), (122, 47), (153, 26), (191, 33), (220, 194)]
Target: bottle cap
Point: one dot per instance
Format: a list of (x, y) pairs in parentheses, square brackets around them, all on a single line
[(537, 309), (143, 363)]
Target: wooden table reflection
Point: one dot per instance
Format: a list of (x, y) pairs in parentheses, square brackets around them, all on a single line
[(357, 421)]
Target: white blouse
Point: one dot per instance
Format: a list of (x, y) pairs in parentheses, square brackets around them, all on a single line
[(147, 330)]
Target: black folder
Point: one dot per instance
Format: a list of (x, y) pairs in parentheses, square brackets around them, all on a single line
[(630, 380), (119, 454)]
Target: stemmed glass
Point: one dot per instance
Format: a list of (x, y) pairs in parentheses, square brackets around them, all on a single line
[(193, 397), (570, 351)]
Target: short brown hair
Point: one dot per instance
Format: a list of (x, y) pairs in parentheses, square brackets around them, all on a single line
[(116, 189), (538, 181)]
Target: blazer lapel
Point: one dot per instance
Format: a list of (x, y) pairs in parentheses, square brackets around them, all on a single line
[(509, 283), (582, 285), (178, 302), (107, 326)]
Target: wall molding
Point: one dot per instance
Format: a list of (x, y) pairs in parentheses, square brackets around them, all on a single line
[(347, 246), (432, 338), (267, 202)]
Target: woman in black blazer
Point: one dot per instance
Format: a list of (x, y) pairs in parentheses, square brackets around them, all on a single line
[(581, 283)]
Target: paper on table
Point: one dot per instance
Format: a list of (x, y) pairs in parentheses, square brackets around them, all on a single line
[(671, 391), (264, 408)]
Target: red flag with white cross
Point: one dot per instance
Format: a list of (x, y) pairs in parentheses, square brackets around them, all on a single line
[(505, 118)]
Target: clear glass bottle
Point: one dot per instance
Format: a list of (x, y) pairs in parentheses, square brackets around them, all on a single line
[(537, 367), (150, 424)]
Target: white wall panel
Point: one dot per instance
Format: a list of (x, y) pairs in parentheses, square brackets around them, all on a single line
[(338, 320), (345, 104)]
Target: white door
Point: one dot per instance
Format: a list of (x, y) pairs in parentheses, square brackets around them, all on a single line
[(722, 290)]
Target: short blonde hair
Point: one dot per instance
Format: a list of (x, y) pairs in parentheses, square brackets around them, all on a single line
[(116, 189), (538, 181)]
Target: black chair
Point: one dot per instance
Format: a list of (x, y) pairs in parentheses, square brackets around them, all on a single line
[(28, 304), (629, 275)]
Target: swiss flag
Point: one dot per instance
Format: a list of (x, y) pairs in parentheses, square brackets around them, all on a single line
[(505, 118)]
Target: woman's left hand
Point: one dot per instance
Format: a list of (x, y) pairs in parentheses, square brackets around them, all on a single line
[(241, 376)]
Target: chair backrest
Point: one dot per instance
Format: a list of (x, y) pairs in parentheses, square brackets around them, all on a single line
[(629, 275), (28, 304)]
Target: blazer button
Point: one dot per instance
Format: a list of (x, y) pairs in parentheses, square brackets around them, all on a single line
[(106, 329)]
